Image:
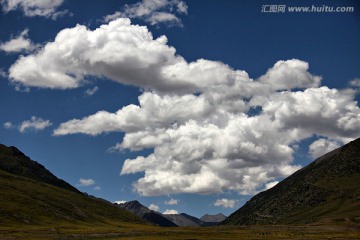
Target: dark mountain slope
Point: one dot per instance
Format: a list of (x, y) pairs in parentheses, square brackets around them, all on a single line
[(145, 213), (326, 190), (213, 218), (186, 220), (14, 161), (29, 201)]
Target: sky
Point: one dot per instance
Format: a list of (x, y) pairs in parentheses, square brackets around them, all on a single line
[(185, 106)]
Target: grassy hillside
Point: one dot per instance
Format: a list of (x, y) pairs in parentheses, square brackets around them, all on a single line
[(35, 210), (327, 190), (26, 201), (31, 197), (14, 161)]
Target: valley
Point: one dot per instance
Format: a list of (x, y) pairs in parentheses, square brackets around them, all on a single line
[(320, 201)]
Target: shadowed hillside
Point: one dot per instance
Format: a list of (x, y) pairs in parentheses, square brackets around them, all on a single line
[(145, 213), (31, 195), (327, 190), (14, 161)]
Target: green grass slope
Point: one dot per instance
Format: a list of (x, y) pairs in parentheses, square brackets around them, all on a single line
[(26, 201), (12, 160), (30, 195), (326, 191)]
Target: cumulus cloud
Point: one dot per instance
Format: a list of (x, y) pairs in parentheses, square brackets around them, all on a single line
[(290, 74), (83, 182), (18, 44), (154, 207), (322, 146), (225, 203), (170, 211), (197, 117), (35, 124), (120, 202), (153, 12), (172, 202), (33, 8)]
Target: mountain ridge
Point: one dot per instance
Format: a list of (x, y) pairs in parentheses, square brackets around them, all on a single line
[(28, 200), (16, 162), (328, 189), (213, 218), (145, 213)]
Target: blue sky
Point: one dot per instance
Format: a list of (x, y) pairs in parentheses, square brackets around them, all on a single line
[(231, 101)]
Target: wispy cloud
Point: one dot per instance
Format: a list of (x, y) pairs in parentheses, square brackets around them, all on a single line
[(154, 207), (3, 74), (91, 91), (120, 201), (172, 202), (18, 44), (34, 124), (33, 8), (225, 203), (8, 125), (170, 211), (85, 182), (153, 12), (355, 82)]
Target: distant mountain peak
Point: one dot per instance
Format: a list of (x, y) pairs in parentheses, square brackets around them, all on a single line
[(145, 213), (213, 218)]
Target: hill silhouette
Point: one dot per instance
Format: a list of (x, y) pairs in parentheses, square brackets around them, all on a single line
[(327, 190), (32, 195)]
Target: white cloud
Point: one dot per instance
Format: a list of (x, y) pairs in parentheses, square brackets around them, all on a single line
[(194, 115), (355, 82), (97, 188), (83, 182), (154, 207), (270, 185), (3, 73), (91, 91), (322, 146), (120, 202), (119, 51), (35, 123), (172, 202), (8, 125), (225, 203), (18, 44), (153, 12), (33, 8), (290, 74), (170, 211)]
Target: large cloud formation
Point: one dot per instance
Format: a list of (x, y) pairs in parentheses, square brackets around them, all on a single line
[(211, 128)]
